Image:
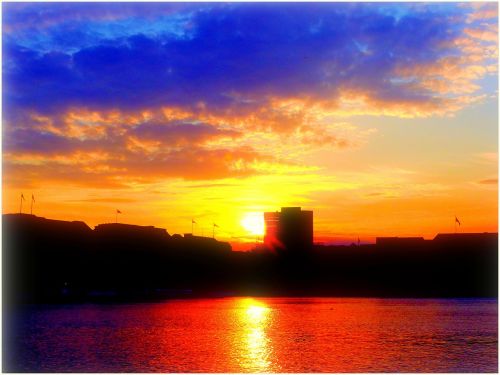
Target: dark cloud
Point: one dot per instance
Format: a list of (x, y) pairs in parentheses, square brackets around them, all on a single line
[(32, 136), (31, 141), (252, 50), (179, 133)]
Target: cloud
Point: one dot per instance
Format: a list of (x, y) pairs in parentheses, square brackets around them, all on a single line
[(105, 200), (126, 168), (482, 11), (178, 134), (24, 17), (207, 91), (167, 143), (126, 147), (490, 35), (240, 57), (486, 157), (489, 181), (145, 151), (204, 186)]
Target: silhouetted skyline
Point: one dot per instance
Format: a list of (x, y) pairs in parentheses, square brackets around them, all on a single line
[(299, 224), (59, 261)]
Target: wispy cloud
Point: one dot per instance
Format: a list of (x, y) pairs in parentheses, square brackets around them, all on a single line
[(489, 181)]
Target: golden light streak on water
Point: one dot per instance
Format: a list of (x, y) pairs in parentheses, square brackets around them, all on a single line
[(255, 318)]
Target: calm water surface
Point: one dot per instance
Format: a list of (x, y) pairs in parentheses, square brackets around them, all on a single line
[(259, 335)]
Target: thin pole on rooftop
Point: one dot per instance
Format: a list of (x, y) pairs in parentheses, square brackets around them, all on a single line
[(21, 206)]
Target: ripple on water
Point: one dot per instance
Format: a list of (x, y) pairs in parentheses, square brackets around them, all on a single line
[(258, 335)]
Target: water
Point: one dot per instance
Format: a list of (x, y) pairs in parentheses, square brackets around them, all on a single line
[(259, 335)]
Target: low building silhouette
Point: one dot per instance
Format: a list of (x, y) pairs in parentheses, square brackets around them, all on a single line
[(207, 243), (399, 241), (57, 261), (129, 231), (290, 230), (466, 238)]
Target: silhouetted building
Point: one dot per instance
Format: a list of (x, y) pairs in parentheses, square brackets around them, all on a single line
[(206, 244), (466, 238), (131, 231), (56, 261), (290, 229), (399, 241)]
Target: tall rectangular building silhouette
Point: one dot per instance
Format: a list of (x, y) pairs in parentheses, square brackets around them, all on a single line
[(290, 230)]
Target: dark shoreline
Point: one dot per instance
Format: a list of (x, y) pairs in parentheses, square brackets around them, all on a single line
[(127, 299), (51, 261)]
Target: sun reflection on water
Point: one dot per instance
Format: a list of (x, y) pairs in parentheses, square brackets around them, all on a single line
[(256, 351)]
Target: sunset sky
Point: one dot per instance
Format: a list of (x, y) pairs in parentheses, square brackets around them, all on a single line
[(382, 118)]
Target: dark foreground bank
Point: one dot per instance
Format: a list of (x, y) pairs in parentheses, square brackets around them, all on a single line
[(50, 261)]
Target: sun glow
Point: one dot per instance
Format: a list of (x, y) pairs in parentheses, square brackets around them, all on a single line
[(256, 313), (253, 222)]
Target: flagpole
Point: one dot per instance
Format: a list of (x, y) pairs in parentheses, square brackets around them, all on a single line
[(21, 206)]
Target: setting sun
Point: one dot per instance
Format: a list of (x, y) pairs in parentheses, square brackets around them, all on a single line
[(253, 222)]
